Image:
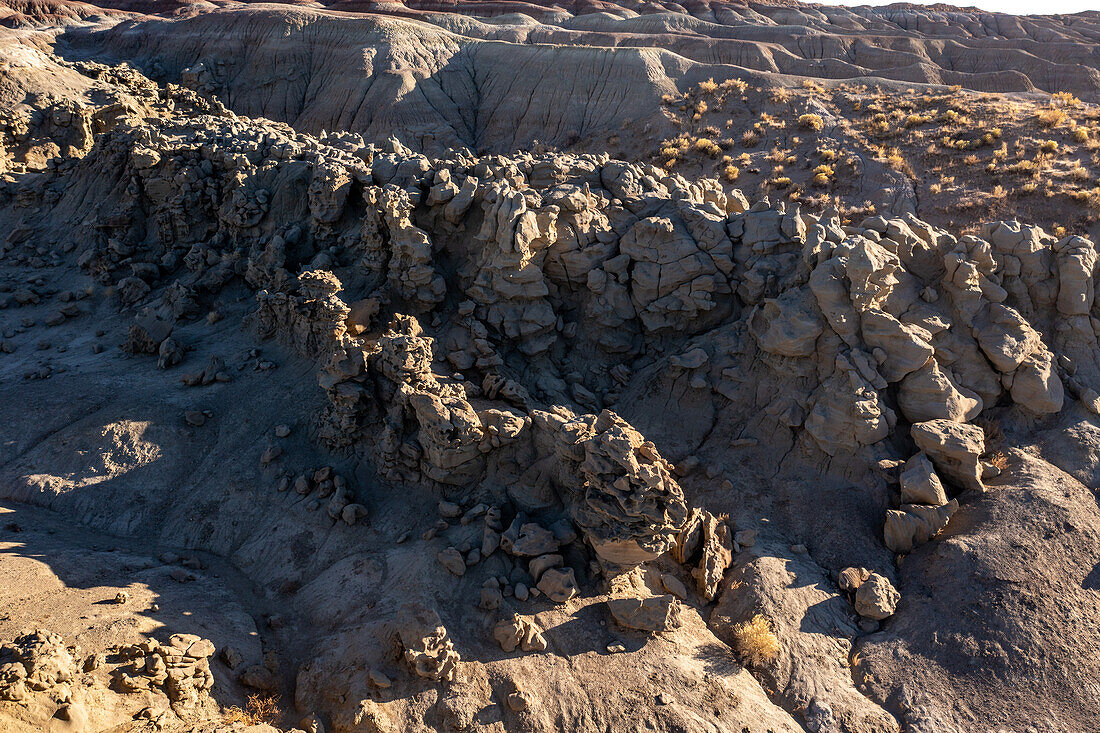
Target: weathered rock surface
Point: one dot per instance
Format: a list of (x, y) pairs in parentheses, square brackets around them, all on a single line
[(555, 388)]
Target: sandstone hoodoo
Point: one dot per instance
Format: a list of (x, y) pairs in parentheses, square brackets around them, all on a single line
[(527, 367)]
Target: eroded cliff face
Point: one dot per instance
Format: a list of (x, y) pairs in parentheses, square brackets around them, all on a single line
[(536, 441)]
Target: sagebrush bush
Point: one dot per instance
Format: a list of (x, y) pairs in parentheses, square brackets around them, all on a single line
[(754, 642), (1051, 117), (811, 122), (708, 147)]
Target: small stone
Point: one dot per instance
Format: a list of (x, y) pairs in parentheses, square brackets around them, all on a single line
[(876, 598), (558, 584), (378, 679), (491, 598), (674, 585), (517, 701), (449, 509), (352, 513), (542, 563), (452, 560), (281, 431), (270, 455), (746, 537), (180, 575), (196, 419), (122, 598), (851, 578), (664, 699), (231, 657)]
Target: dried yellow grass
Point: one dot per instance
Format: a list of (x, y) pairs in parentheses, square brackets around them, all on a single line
[(259, 709), (754, 641)]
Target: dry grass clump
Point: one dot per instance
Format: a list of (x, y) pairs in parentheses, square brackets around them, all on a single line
[(915, 120), (259, 709), (824, 174), (708, 147), (1064, 99), (708, 86), (1051, 117), (811, 122), (731, 173), (754, 642)]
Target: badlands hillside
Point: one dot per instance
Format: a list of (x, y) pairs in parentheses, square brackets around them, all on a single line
[(502, 366)]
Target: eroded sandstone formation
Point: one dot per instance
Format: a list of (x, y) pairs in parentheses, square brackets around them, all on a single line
[(563, 355)]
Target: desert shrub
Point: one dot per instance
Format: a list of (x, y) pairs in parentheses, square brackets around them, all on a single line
[(1079, 172), (259, 709), (708, 147), (949, 117), (1064, 99), (823, 175), (1080, 134), (731, 172), (781, 182), (750, 138), (754, 642), (915, 120), (1048, 146), (1051, 117), (811, 122), (708, 86), (1024, 167)]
